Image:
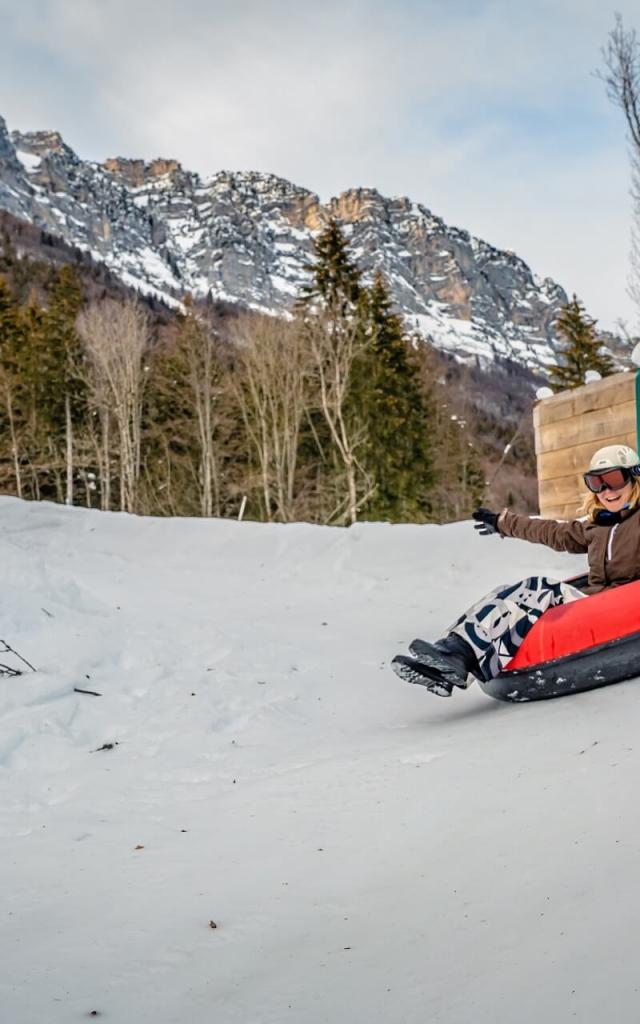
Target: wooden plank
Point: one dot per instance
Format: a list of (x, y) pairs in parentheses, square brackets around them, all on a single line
[(559, 460), (620, 387), (550, 410), (611, 391), (563, 491), (561, 512), (599, 427)]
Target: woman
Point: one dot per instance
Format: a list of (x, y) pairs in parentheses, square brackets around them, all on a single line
[(483, 640)]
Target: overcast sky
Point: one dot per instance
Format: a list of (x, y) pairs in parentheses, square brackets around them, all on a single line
[(486, 111)]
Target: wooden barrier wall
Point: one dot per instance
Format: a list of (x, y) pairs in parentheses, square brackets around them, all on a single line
[(570, 427)]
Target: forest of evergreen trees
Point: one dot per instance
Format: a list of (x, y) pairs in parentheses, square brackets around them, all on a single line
[(334, 416)]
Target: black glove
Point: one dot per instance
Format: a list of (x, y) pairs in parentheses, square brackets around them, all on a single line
[(486, 521)]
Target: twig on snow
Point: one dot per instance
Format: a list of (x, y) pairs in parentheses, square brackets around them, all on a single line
[(6, 649), (6, 670)]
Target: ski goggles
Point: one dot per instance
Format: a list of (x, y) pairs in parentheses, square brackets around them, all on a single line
[(609, 479)]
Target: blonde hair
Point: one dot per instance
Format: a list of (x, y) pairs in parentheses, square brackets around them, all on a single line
[(592, 504)]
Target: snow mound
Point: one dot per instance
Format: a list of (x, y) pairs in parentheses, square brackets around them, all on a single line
[(367, 852)]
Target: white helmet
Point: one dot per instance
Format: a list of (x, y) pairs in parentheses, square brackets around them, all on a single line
[(614, 456)]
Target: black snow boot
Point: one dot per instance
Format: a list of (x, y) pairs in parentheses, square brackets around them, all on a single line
[(414, 671), (450, 657)]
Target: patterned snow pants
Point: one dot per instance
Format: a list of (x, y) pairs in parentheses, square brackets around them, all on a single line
[(495, 626)]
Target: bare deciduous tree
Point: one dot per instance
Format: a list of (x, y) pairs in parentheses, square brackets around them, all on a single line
[(116, 336), (270, 385), (335, 346), (204, 373), (621, 76), (6, 384)]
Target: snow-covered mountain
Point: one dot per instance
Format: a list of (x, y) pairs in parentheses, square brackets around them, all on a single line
[(246, 237)]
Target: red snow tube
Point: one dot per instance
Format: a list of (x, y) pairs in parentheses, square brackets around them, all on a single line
[(575, 647)]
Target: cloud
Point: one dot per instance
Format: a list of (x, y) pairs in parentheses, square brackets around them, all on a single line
[(485, 111)]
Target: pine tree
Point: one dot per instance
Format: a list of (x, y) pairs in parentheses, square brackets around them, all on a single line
[(387, 410), (398, 415), (336, 280), (58, 354), (582, 350), (18, 326), (11, 344), (169, 442), (39, 348), (63, 403), (8, 313), (331, 312)]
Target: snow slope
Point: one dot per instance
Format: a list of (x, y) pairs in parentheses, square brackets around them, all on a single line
[(368, 851)]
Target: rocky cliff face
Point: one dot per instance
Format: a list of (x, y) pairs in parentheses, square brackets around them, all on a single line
[(246, 237)]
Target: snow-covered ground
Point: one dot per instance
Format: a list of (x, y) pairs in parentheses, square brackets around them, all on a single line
[(369, 852)]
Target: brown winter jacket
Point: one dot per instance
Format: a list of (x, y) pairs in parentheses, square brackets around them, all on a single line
[(613, 551)]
